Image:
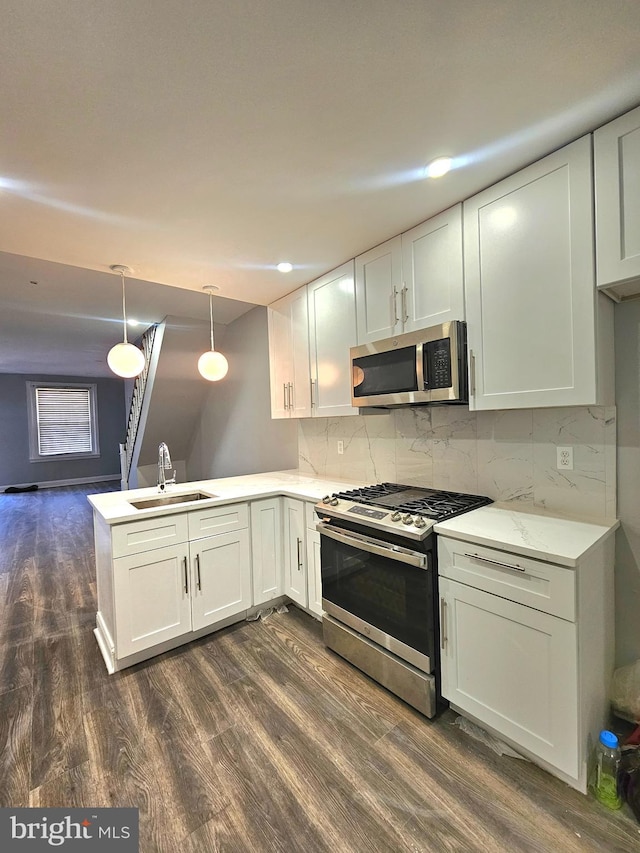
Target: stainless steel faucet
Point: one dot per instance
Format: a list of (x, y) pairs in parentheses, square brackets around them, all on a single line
[(164, 464)]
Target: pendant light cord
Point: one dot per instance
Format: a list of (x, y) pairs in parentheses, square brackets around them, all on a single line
[(124, 308), (211, 318)]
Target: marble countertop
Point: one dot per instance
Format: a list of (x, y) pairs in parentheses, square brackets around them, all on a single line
[(529, 532), (115, 507)]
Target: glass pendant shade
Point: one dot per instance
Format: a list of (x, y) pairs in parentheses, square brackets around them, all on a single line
[(125, 360), (212, 365)]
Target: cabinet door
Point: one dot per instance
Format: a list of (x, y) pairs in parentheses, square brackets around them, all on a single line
[(332, 331), (279, 322), (433, 286), (151, 598), (529, 283), (617, 170), (512, 668), (378, 285), (300, 395), (295, 570), (314, 576), (221, 577), (266, 547)]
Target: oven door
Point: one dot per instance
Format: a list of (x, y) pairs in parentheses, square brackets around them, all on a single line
[(383, 591)]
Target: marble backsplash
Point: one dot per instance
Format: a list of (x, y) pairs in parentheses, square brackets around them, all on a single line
[(507, 455)]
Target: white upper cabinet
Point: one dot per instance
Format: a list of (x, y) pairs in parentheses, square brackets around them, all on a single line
[(412, 281), (378, 286), (536, 337), (289, 356), (617, 170), (432, 272), (332, 331)]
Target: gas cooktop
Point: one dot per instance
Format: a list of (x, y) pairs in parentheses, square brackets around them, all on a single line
[(411, 511)]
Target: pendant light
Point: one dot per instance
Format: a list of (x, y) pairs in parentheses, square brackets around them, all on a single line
[(212, 365), (125, 359)]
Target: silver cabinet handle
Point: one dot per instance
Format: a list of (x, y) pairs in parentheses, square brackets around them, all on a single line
[(472, 371), (443, 624), (373, 546), (198, 571), (314, 395), (495, 562), (299, 545), (394, 307), (403, 295), (291, 395), (284, 396), (186, 576)]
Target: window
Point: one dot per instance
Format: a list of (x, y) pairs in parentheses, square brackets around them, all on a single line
[(62, 421)]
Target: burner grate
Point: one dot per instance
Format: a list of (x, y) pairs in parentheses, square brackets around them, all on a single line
[(432, 503)]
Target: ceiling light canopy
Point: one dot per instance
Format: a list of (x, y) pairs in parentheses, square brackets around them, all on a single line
[(285, 266), (439, 167), (212, 365), (125, 359)]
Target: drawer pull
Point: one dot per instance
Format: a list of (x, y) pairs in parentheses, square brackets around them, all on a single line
[(495, 563)]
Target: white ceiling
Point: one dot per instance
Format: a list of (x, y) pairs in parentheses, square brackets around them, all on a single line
[(204, 141)]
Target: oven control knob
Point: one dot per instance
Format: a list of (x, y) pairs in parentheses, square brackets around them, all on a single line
[(420, 522), (334, 501), (396, 516), (407, 519), (326, 499)]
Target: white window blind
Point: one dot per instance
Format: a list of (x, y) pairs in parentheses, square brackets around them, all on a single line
[(63, 420)]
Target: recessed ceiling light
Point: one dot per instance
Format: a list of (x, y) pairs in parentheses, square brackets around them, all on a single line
[(437, 168), (133, 322), (284, 267)]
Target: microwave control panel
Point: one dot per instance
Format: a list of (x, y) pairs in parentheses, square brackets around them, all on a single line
[(437, 364)]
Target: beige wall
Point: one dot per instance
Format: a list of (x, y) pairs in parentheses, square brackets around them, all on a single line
[(235, 433)]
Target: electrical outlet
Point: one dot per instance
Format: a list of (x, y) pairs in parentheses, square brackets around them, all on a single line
[(564, 458), (340, 448)]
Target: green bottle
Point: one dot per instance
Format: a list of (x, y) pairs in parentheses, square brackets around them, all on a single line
[(607, 764)]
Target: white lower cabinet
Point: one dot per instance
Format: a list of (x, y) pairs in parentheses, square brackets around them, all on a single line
[(295, 567), (151, 598), (527, 648), (314, 575), (167, 577), (266, 547), (221, 578), (512, 668), (165, 593)]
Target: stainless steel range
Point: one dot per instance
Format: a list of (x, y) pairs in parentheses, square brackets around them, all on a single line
[(379, 583)]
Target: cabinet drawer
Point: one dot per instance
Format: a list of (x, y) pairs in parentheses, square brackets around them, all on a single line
[(218, 519), (138, 536), (310, 516), (534, 583)]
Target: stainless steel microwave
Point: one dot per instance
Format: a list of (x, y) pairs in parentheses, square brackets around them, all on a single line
[(417, 368)]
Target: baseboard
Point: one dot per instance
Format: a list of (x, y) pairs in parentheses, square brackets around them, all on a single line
[(77, 481)]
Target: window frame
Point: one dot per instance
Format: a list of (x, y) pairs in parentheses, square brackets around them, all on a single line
[(32, 413)]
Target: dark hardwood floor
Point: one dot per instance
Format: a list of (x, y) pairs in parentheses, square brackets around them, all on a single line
[(253, 739)]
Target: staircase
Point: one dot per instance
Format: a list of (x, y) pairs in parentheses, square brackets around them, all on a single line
[(166, 401), (150, 339)]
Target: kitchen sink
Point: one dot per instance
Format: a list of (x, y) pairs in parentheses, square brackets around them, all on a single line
[(168, 500)]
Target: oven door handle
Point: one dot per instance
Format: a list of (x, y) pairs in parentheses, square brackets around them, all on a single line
[(373, 546)]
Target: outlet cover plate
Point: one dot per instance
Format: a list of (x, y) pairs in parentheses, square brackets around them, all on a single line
[(564, 458)]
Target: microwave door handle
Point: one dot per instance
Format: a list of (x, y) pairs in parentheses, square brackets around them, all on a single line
[(373, 546)]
